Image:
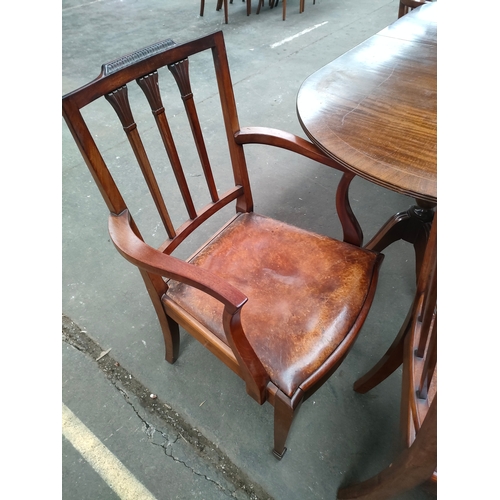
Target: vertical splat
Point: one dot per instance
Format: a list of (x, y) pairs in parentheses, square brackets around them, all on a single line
[(150, 87), (180, 71), (120, 102)]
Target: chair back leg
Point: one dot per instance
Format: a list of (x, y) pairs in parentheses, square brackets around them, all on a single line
[(169, 327)]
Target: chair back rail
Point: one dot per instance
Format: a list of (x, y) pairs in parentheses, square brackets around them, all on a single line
[(119, 100), (142, 67)]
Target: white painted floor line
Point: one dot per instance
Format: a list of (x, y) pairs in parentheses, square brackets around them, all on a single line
[(81, 5), (303, 32), (114, 473)]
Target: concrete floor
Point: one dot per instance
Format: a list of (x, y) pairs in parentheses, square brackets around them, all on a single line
[(338, 436)]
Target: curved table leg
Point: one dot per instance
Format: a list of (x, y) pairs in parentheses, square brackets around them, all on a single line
[(388, 363), (412, 226)]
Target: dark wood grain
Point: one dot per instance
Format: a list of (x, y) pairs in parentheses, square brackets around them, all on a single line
[(374, 108), (150, 86)]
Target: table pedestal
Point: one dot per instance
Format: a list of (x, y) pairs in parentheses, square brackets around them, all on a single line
[(413, 226)]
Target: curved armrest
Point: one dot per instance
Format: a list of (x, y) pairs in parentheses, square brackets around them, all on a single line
[(130, 246), (148, 258), (273, 137), (286, 140)]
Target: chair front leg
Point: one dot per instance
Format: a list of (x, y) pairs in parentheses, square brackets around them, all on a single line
[(284, 411)]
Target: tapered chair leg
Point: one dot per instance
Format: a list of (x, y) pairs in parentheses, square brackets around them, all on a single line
[(302, 5), (226, 12), (272, 3), (284, 411), (202, 7)]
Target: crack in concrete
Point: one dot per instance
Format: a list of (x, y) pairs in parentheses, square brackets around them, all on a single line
[(178, 460), (150, 431), (167, 417)]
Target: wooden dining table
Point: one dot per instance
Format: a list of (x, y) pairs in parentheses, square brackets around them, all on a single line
[(374, 110)]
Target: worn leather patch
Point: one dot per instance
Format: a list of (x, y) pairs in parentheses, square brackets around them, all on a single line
[(304, 292)]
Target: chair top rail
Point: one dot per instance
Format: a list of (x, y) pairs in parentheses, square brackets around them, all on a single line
[(137, 56), (137, 64)]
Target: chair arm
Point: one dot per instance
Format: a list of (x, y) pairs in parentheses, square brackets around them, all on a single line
[(148, 258), (285, 140), (262, 135), (132, 248)]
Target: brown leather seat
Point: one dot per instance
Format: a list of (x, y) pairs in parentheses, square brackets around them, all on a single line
[(304, 293)]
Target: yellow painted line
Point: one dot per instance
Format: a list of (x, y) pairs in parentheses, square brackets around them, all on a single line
[(114, 473)]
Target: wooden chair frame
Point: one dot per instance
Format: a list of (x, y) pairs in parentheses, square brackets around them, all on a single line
[(158, 266)]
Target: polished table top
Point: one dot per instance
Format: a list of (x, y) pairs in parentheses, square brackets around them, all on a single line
[(374, 108)]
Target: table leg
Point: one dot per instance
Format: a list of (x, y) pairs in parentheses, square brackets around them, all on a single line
[(388, 363), (412, 226)]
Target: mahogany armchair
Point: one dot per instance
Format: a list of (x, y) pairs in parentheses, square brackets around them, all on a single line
[(280, 306), (417, 462)]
